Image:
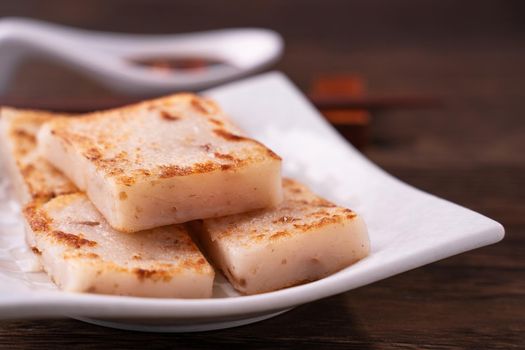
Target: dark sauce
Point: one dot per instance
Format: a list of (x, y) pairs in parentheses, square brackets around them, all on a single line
[(170, 64)]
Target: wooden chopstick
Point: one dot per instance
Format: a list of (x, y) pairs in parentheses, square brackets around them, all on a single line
[(375, 102)]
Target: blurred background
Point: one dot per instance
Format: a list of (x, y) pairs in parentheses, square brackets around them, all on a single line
[(468, 57), (466, 54), (404, 39)]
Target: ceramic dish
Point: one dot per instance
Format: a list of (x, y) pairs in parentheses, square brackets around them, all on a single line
[(408, 228)]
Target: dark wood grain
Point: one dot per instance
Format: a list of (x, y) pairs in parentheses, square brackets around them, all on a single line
[(470, 55)]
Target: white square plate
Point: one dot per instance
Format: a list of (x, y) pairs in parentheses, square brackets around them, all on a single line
[(408, 228)]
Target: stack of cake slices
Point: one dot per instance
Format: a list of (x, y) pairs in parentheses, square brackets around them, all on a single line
[(152, 199)]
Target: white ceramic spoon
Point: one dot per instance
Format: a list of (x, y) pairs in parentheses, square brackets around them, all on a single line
[(109, 57)]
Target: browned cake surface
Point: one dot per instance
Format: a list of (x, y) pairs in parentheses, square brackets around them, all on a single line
[(72, 228), (177, 135), (302, 239), (40, 179), (300, 212)]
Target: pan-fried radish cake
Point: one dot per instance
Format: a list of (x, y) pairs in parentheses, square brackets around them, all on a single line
[(303, 239), (82, 253), (32, 176), (76, 245), (163, 161)]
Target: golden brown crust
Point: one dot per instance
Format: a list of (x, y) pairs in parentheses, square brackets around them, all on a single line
[(23, 136), (38, 221), (87, 223), (225, 156), (200, 168), (168, 116), (126, 180), (204, 106), (300, 212), (70, 239), (216, 122), (39, 178), (273, 155), (155, 275), (80, 255), (284, 219), (279, 234), (334, 219), (105, 139), (165, 272), (166, 171), (230, 136), (36, 251), (179, 252)]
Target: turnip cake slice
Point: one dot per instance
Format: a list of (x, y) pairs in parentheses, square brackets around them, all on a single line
[(82, 253), (303, 239), (76, 245), (32, 176), (162, 162)]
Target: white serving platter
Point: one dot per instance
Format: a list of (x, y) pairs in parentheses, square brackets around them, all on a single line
[(408, 228)]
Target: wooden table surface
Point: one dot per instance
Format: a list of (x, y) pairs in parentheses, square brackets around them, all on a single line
[(470, 151)]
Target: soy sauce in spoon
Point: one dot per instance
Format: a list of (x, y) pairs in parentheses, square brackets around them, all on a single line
[(168, 65)]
